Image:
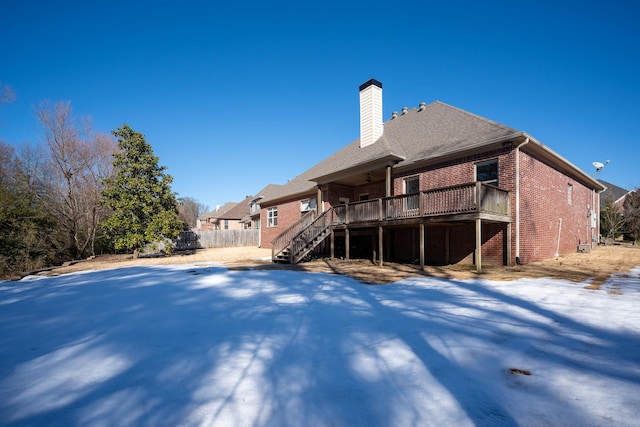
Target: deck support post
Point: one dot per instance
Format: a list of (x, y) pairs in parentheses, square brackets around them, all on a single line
[(332, 240), (346, 244), (478, 245), (422, 246), (380, 245), (319, 201), (388, 181), (508, 243)]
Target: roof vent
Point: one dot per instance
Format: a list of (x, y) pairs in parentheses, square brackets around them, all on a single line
[(394, 115), (405, 110), (422, 106)]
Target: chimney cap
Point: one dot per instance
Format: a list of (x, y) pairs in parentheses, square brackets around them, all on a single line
[(369, 83)]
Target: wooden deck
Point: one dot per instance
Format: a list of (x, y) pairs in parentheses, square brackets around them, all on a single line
[(467, 202)]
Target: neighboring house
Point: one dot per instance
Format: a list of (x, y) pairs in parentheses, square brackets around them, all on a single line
[(617, 196), (227, 217), (433, 184), (252, 219), (211, 220), (613, 192)]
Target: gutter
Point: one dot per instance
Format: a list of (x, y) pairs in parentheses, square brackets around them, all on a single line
[(565, 165)]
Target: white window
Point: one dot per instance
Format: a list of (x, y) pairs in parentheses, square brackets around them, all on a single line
[(272, 217), (487, 172), (307, 205)]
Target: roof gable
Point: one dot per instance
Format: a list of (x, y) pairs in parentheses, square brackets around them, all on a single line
[(612, 191)]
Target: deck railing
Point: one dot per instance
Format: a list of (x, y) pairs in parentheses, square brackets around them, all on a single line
[(494, 200), (302, 240), (283, 240), (465, 198)]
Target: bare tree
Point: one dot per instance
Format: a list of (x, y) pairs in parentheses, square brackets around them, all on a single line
[(32, 160), (6, 93), (611, 218), (631, 208), (190, 209), (100, 169), (78, 162)]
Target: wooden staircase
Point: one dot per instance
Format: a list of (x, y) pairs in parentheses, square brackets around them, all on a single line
[(282, 257), (293, 247)]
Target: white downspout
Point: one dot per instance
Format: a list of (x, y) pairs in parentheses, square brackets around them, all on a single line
[(526, 141), (559, 233)]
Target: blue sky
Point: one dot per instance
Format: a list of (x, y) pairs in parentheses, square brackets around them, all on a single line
[(235, 95)]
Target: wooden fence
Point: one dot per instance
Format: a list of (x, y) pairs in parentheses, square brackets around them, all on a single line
[(204, 239)]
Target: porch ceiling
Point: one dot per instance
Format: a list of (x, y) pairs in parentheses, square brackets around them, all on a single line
[(362, 178)]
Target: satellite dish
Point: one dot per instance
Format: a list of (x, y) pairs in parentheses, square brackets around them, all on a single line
[(599, 166)]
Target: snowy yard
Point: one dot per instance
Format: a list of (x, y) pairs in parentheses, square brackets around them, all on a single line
[(187, 345)]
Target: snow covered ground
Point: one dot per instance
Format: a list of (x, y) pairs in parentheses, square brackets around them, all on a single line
[(188, 345)]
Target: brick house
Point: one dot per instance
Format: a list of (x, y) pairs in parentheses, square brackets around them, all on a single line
[(433, 184), (226, 217), (614, 194)]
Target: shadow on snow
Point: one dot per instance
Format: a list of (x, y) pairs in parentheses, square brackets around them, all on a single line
[(167, 346)]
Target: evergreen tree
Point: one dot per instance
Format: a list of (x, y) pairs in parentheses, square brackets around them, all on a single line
[(144, 208)]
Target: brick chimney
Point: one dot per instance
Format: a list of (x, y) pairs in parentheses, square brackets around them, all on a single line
[(370, 112)]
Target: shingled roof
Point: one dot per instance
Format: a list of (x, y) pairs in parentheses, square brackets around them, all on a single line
[(238, 211), (271, 190), (613, 191), (218, 212), (429, 132)]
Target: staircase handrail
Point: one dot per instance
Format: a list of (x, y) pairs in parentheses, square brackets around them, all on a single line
[(283, 240), (299, 243)]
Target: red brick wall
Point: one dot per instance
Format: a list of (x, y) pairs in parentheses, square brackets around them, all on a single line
[(459, 171), (333, 192), (543, 203), (288, 213)]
